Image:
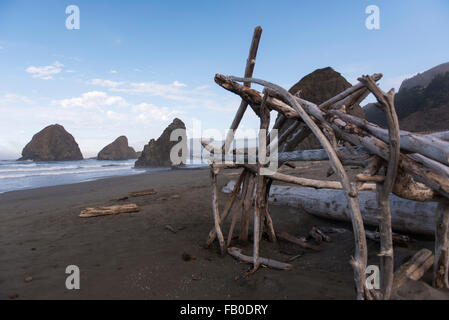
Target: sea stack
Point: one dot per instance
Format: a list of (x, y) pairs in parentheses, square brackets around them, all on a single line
[(317, 87), (53, 143), (157, 152), (117, 150)]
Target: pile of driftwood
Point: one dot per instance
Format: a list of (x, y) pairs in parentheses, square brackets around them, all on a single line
[(412, 166)]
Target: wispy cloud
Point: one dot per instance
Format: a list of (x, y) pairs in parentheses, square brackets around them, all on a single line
[(147, 111), (45, 72), (105, 83), (11, 98), (92, 99), (113, 71)]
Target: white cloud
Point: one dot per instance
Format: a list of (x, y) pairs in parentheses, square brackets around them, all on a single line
[(147, 111), (92, 99), (11, 98), (113, 71), (45, 72), (105, 83), (154, 88), (114, 115)]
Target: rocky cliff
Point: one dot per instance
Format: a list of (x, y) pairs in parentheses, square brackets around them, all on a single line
[(117, 150), (422, 103), (157, 152), (53, 143)]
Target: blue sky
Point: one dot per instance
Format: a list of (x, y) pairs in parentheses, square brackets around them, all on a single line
[(135, 65)]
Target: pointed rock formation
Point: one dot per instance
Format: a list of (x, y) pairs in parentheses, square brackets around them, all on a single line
[(117, 150), (317, 87), (157, 152), (53, 143)]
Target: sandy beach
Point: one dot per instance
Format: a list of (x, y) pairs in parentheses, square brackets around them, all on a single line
[(135, 255)]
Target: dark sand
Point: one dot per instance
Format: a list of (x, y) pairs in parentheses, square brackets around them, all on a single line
[(134, 256)]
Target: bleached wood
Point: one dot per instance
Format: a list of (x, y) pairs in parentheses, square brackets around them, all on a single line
[(385, 187), (110, 210), (249, 69), (216, 214), (347, 92), (271, 263), (213, 233), (143, 193), (413, 269), (425, 145), (345, 130), (239, 209), (407, 216)]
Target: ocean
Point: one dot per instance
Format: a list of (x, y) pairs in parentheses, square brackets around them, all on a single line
[(20, 175)]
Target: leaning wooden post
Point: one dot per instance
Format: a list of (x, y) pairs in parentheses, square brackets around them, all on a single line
[(214, 173), (441, 265), (247, 205), (246, 176), (227, 209), (249, 69), (260, 194), (384, 189)]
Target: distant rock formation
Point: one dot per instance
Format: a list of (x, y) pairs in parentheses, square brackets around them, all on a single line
[(53, 143), (425, 78), (117, 150), (317, 87), (157, 152), (422, 103)]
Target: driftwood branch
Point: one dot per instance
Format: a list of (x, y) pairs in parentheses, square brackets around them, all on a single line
[(271, 263), (384, 188), (413, 269), (217, 220), (249, 69)]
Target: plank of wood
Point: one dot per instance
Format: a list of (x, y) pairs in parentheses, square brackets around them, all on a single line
[(111, 210)]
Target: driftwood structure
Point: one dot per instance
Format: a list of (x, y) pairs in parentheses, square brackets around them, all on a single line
[(411, 166)]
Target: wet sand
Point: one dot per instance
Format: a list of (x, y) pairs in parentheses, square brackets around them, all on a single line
[(135, 256)]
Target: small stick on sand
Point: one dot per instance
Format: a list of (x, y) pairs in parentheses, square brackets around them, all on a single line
[(237, 253)]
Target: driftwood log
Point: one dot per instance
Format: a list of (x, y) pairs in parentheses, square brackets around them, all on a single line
[(110, 210), (413, 269), (407, 216)]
